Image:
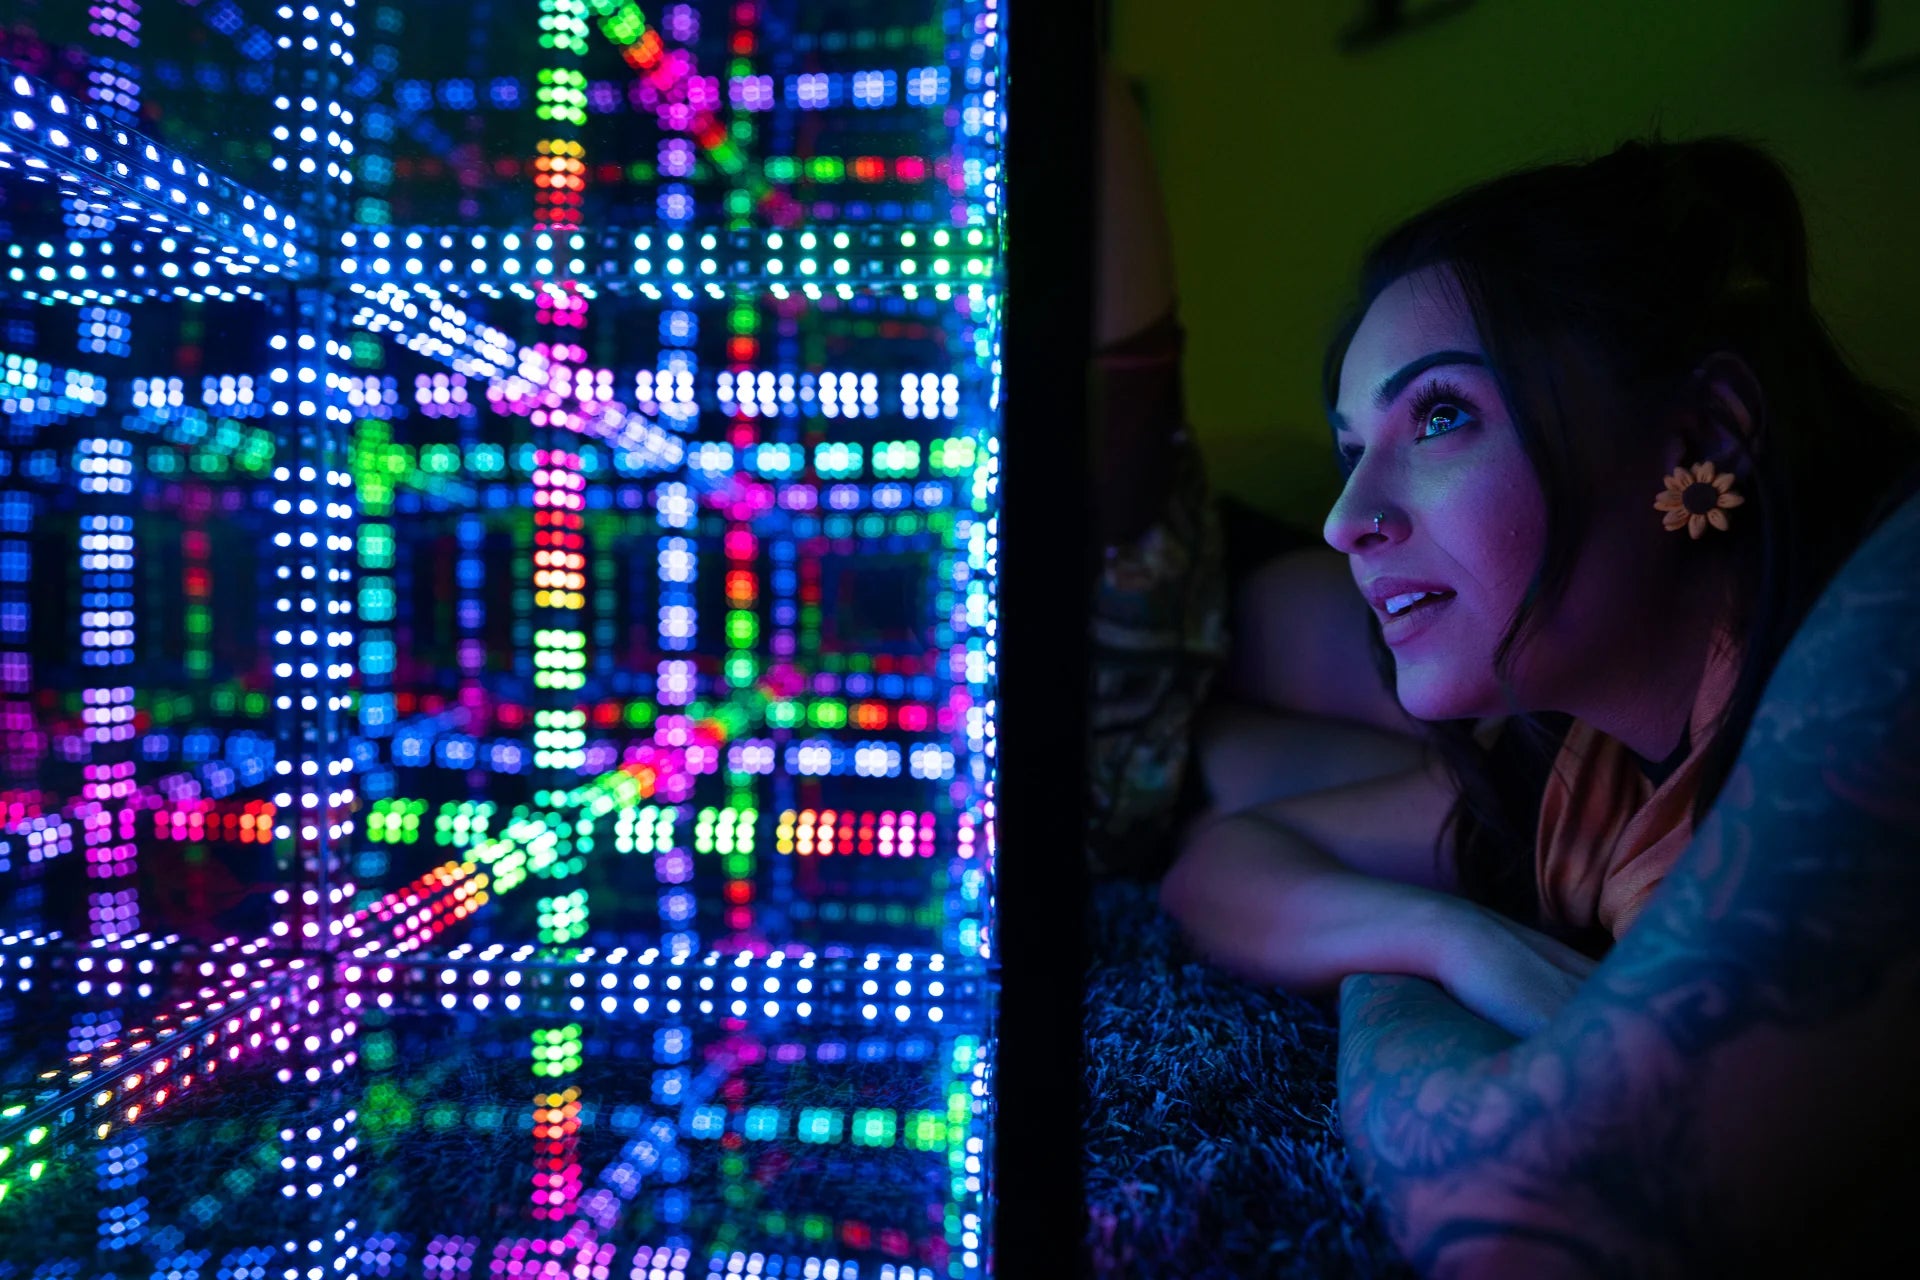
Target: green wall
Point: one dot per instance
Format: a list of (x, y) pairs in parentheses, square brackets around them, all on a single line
[(1282, 158)]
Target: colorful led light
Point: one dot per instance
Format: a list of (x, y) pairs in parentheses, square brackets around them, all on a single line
[(726, 488)]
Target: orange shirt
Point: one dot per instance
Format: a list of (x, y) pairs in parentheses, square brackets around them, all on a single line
[(1608, 834)]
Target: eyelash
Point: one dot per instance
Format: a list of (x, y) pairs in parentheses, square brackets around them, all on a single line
[(1436, 393)]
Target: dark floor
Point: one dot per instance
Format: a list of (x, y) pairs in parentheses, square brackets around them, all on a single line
[(1212, 1142)]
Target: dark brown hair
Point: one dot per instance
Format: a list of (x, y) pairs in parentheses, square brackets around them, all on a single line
[(1603, 283)]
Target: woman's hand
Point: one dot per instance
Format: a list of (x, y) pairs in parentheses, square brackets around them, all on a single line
[(1515, 977)]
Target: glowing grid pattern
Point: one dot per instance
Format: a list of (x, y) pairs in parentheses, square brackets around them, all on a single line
[(580, 473)]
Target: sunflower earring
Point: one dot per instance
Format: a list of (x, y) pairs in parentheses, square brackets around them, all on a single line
[(1695, 498)]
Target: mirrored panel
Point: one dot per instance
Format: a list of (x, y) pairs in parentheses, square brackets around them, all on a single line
[(498, 551)]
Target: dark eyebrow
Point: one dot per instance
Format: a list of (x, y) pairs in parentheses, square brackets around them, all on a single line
[(1389, 390)]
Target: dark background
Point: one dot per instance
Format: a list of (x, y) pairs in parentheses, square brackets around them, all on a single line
[(1287, 136)]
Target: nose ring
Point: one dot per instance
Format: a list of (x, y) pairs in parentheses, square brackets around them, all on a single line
[(1378, 516)]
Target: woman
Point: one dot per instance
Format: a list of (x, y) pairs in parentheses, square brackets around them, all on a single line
[(1592, 409), (1668, 666)]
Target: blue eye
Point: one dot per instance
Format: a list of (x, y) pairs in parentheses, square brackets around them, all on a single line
[(1440, 401)]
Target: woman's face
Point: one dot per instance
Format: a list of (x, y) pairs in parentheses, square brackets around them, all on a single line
[(1437, 454)]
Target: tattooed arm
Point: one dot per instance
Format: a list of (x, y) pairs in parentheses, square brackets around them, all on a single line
[(1740, 1079)]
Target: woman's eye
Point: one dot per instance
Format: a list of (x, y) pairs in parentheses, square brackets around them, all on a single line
[(1438, 405)]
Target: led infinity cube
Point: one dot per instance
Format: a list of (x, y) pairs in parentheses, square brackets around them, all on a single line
[(498, 558)]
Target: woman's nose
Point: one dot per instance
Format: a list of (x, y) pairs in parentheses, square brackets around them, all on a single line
[(1351, 522)]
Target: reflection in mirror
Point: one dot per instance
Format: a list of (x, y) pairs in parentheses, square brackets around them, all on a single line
[(497, 597)]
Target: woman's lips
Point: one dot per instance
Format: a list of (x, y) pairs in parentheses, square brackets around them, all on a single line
[(1400, 628)]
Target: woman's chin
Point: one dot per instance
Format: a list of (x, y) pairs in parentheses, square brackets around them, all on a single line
[(1424, 703)]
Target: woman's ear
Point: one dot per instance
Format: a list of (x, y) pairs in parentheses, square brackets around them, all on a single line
[(1730, 411)]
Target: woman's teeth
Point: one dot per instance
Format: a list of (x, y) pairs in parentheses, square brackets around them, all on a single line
[(1397, 605)]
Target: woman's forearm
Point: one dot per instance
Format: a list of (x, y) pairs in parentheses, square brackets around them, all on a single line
[(1265, 902), (1134, 284), (1249, 754)]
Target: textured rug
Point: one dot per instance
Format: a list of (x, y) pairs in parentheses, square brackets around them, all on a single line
[(1212, 1143)]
